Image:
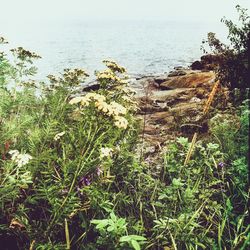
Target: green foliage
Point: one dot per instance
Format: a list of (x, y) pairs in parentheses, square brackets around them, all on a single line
[(233, 60), (70, 177), (113, 234), (53, 148)]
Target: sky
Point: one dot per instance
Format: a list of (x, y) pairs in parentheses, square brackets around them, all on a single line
[(13, 11)]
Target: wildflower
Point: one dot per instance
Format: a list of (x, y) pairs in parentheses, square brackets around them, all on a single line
[(99, 171), (106, 152), (121, 122), (20, 159), (90, 95), (75, 100), (221, 164), (85, 101), (98, 97), (23, 54), (14, 153), (103, 106), (84, 181), (114, 66), (59, 135), (116, 109), (108, 75)]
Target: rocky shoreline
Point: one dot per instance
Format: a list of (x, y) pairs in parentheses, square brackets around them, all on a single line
[(171, 104)]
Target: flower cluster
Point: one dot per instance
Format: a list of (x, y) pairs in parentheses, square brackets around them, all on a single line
[(114, 66), (23, 54), (70, 78), (58, 136), (107, 75), (19, 159), (113, 109), (106, 152), (74, 75), (116, 109), (121, 122)]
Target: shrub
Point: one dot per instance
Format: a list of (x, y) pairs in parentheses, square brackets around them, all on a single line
[(233, 68), (59, 149)]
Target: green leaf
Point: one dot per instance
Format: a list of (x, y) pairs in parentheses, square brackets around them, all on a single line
[(110, 228), (162, 196), (137, 237), (126, 238), (113, 216), (135, 245), (100, 223), (121, 222)]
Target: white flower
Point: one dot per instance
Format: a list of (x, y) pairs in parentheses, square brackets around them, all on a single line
[(20, 159), (106, 152), (59, 135), (103, 106), (75, 100), (14, 153), (23, 159), (121, 122), (116, 109)]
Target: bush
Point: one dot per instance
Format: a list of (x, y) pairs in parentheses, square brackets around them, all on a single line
[(233, 70), (59, 149)]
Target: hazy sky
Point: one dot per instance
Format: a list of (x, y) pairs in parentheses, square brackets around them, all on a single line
[(32, 10)]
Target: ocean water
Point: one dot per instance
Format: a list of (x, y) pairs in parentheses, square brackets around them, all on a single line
[(143, 47)]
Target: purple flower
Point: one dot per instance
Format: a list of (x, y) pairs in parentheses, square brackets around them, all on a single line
[(221, 164), (84, 181), (99, 171)]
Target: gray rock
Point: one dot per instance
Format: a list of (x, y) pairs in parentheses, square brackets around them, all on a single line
[(177, 73), (197, 65)]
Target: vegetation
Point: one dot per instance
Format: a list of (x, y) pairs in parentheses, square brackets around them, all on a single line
[(233, 58), (71, 176)]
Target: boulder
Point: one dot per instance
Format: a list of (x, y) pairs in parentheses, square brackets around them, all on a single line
[(177, 73), (197, 65), (91, 86), (191, 80), (161, 79), (207, 62)]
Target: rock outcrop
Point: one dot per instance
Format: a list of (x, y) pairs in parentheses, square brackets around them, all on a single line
[(171, 106), (207, 62)]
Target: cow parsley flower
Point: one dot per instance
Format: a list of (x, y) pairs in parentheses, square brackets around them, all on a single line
[(103, 106), (75, 100), (59, 135), (19, 159), (116, 109), (121, 122), (106, 152)]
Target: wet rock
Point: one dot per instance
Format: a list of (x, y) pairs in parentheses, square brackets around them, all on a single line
[(177, 73), (172, 106), (161, 79), (197, 65), (179, 68), (91, 86), (191, 80), (207, 62)]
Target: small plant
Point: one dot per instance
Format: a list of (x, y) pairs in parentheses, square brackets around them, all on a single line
[(113, 234)]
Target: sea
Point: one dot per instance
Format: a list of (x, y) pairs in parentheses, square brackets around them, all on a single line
[(144, 47)]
